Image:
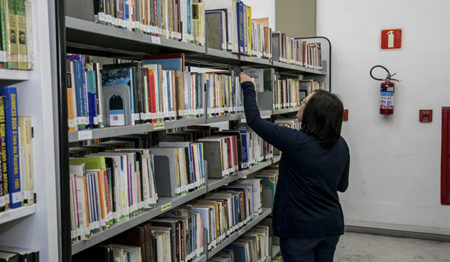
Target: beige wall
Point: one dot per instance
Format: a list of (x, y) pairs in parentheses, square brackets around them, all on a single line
[(297, 18)]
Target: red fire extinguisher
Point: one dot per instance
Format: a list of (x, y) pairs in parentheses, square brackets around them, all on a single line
[(387, 91)]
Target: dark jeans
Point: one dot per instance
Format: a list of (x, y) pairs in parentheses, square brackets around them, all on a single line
[(308, 250)]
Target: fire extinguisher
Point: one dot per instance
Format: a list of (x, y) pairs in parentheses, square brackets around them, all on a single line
[(387, 91)]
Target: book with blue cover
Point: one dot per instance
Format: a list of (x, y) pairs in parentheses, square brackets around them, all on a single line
[(12, 145)]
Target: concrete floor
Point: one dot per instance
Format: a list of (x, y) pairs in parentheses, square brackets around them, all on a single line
[(356, 247)]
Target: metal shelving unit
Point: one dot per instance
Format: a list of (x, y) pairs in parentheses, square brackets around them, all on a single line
[(266, 212), (14, 214), (164, 204), (87, 37)]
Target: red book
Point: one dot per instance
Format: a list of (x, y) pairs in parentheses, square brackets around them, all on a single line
[(235, 153), (151, 91)]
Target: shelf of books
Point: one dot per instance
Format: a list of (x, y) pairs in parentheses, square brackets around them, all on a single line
[(164, 205), (265, 212), (14, 214), (113, 38)]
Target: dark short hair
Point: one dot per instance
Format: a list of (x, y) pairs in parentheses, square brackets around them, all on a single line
[(322, 118)]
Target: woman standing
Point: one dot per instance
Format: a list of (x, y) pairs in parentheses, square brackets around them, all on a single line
[(307, 215)]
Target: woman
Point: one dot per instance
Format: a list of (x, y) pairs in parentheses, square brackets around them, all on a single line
[(307, 215)]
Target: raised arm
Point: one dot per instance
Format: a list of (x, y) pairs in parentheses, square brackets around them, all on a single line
[(285, 139)]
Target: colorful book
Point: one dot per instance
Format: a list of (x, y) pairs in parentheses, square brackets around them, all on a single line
[(12, 145), (4, 197), (11, 34), (21, 34)]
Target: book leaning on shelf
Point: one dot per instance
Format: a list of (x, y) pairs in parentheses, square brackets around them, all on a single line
[(16, 34), (182, 20)]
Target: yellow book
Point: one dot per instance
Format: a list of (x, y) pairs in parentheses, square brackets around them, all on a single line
[(26, 146), (249, 30), (201, 15), (178, 168), (101, 194)]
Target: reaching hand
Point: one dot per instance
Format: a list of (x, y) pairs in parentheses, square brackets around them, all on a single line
[(244, 78)]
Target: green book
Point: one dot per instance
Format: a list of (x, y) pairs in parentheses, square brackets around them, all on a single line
[(21, 34), (268, 181), (2, 31), (91, 163), (11, 34)]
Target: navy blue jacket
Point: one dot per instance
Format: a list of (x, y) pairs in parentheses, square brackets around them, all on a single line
[(306, 200)]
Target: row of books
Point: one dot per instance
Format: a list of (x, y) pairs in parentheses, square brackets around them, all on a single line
[(296, 51), (182, 20), (16, 161), (228, 24), (115, 181), (307, 86), (13, 254), (286, 93), (227, 151), (253, 246), (178, 235), (150, 91), (16, 47), (184, 233)]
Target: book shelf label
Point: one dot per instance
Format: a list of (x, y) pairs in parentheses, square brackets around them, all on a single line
[(166, 207), (158, 126), (85, 135), (156, 40)]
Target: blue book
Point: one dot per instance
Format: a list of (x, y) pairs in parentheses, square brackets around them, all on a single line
[(241, 30), (80, 89), (201, 162), (238, 251), (188, 11), (159, 14), (244, 149), (174, 62), (91, 83), (12, 145)]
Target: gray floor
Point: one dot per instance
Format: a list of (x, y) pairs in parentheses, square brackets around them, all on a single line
[(355, 247)]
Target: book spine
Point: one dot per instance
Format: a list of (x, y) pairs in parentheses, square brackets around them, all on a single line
[(99, 87), (240, 22), (29, 33), (250, 36), (26, 133), (71, 115), (12, 146), (3, 167), (78, 70), (21, 30), (92, 97), (3, 35), (11, 31)]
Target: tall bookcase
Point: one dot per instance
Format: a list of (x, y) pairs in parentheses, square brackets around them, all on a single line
[(78, 33), (34, 227)]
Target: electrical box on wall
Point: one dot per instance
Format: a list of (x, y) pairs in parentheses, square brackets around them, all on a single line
[(425, 115)]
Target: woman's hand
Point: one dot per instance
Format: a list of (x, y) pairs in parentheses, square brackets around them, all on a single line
[(244, 78)]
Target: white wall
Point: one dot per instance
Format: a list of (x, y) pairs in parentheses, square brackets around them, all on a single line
[(395, 160), (263, 8)]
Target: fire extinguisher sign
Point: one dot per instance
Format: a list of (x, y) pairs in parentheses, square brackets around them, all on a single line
[(391, 39)]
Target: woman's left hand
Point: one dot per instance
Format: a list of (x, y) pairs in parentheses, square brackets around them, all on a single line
[(244, 78)]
